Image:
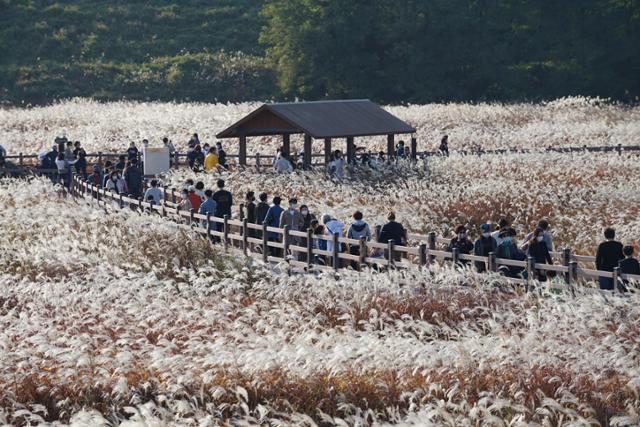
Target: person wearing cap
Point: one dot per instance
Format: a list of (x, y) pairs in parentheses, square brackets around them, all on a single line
[(503, 224), (195, 200), (507, 249), (461, 242), (537, 248), (483, 246)]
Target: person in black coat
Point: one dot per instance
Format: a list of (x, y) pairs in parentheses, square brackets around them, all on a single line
[(608, 256), (393, 230), (629, 265), (133, 177), (538, 249), (483, 246), (461, 242)]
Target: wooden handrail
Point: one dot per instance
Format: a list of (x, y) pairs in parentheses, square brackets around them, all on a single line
[(166, 209)]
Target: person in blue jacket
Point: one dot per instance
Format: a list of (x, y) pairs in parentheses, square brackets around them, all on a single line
[(209, 206), (272, 219)]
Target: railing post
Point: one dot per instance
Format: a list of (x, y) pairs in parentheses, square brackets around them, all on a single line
[(378, 229), (209, 227), (573, 272), (362, 251), (241, 211), (258, 161), (566, 259), (245, 235), (173, 195), (432, 245), (164, 193), (422, 250), (265, 243), (20, 161), (390, 253), (176, 161), (492, 265), (121, 202), (336, 252), (616, 279), (225, 232), (309, 247), (455, 256), (100, 158), (191, 216), (619, 149), (285, 241)]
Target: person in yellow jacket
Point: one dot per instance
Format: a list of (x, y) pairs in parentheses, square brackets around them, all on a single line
[(211, 161)]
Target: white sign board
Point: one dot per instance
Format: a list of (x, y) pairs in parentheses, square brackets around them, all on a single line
[(156, 160)]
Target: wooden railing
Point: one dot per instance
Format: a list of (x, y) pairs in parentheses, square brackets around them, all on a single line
[(298, 249), (261, 160)]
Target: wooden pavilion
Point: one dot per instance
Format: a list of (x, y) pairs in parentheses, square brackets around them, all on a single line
[(325, 120)]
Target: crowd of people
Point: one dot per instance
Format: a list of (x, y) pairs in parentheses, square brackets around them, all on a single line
[(126, 177)]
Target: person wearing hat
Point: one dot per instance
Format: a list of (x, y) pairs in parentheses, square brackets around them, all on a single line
[(503, 224), (461, 242), (483, 246), (194, 198), (507, 249)]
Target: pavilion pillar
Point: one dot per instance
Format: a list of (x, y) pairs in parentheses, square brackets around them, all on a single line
[(391, 146), (414, 148), (286, 144), (242, 154), (327, 151), (307, 152), (351, 149)]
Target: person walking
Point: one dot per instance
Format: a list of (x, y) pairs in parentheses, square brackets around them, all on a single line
[(250, 207), (483, 246), (357, 230), (462, 243), (629, 265), (333, 227), (293, 219), (307, 216), (222, 155), (507, 249), (272, 219), (548, 240), (338, 165), (194, 198), (608, 256), (195, 158), (444, 145), (133, 178), (224, 200), (210, 207), (64, 170), (392, 230), (537, 248), (503, 224), (132, 152), (81, 155), (153, 191)]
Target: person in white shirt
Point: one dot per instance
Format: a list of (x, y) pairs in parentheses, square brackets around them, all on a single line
[(153, 191), (503, 224), (283, 165), (338, 165), (332, 226)]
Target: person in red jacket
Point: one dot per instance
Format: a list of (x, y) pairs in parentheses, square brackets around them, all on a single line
[(195, 200)]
